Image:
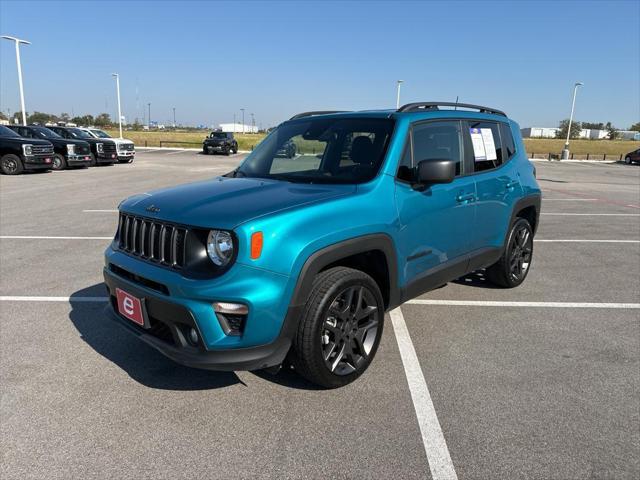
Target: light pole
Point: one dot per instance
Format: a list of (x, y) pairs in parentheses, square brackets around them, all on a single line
[(565, 152), (242, 110), (117, 77), (149, 119), (253, 123), (18, 42), (174, 117), (399, 82)]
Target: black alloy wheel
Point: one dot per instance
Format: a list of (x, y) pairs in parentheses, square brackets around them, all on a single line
[(10, 165), (515, 263), (59, 162)]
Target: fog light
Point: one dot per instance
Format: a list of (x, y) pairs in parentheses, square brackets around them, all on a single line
[(193, 336), (230, 308)]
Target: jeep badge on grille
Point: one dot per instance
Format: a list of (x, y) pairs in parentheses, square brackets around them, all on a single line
[(152, 209)]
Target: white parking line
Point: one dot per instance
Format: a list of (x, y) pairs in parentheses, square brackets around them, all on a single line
[(178, 151), (592, 214), (100, 211), (435, 445), (489, 303), (569, 199), (53, 299), (571, 240), (30, 237)]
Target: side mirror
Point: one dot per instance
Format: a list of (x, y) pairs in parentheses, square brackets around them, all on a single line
[(436, 171)]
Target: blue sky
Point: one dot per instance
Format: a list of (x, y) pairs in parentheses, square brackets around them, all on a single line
[(209, 59)]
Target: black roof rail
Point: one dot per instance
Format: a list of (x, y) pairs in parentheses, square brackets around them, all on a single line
[(419, 106), (319, 112)]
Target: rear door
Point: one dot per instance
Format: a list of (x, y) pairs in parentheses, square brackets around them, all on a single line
[(497, 181), (436, 221)]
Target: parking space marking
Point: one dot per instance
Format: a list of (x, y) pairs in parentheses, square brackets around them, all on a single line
[(569, 199), (435, 445), (14, 298), (181, 151), (559, 214), (578, 240), (34, 237), (489, 303)]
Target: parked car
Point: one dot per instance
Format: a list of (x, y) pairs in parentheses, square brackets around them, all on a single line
[(288, 150), (631, 157), (103, 150), (298, 259), (67, 152), (220, 142), (125, 148), (18, 154)]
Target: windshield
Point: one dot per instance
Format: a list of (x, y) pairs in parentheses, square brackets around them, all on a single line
[(77, 133), (7, 132), (100, 133), (321, 150), (218, 135), (46, 133)]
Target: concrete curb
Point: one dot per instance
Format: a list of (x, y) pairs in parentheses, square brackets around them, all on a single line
[(181, 149)]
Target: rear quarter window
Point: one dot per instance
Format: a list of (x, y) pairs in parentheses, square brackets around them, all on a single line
[(507, 142)]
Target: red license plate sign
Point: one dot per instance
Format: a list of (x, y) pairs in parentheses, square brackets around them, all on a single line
[(130, 307)]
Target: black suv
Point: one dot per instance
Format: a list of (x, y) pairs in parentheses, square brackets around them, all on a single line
[(67, 152), (220, 142), (103, 150), (18, 154)]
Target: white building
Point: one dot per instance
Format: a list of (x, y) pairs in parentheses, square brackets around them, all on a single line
[(593, 134), (628, 135), (238, 128), (539, 132)]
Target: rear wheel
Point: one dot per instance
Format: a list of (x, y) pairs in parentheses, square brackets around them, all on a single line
[(205, 151), (59, 163), (340, 329), (627, 160), (514, 265), (11, 165)]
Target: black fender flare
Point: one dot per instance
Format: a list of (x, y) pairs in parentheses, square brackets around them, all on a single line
[(533, 200), (346, 248)]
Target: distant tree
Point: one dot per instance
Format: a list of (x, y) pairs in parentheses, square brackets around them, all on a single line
[(102, 120), (41, 118), (3, 116), (564, 125), (635, 127), (593, 126), (64, 117), (85, 120), (613, 132)]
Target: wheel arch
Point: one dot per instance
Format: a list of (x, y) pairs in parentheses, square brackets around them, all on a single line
[(365, 253), (528, 208)]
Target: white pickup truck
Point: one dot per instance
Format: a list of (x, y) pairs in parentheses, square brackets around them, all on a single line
[(125, 148)]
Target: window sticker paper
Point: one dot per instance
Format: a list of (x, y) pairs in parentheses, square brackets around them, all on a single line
[(478, 145), (489, 144)]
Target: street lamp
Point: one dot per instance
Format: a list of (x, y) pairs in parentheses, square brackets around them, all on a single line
[(242, 110), (18, 42), (149, 119), (398, 82), (565, 152), (174, 117), (117, 77), (253, 123)]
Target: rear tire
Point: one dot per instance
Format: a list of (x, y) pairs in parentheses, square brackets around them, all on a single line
[(59, 163), (205, 151), (515, 262), (340, 329), (11, 165), (627, 160)]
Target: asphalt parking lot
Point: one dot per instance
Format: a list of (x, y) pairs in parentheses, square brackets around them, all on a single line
[(470, 381)]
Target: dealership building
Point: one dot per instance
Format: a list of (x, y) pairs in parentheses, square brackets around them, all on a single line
[(238, 128)]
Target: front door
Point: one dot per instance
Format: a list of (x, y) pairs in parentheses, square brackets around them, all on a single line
[(435, 222)]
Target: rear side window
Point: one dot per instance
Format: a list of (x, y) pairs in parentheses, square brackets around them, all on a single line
[(437, 141), (487, 146), (507, 142)]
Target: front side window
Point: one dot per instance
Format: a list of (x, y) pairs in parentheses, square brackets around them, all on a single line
[(7, 132), (437, 141), (486, 144), (100, 133), (325, 150), (77, 133)]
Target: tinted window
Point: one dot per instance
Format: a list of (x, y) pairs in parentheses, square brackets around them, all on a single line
[(7, 132), (487, 148), (507, 141), (437, 141)]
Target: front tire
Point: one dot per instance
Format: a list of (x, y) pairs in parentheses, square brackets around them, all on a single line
[(11, 165), (515, 263), (59, 163), (627, 160), (340, 329), (92, 162)]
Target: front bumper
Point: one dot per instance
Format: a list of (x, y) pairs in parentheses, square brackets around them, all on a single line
[(126, 154), (268, 330), (106, 157), (75, 160), (37, 162), (217, 148)]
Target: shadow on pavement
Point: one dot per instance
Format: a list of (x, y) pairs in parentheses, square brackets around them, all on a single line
[(475, 279), (143, 363)]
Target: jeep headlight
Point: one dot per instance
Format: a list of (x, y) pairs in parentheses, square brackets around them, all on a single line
[(71, 149), (220, 247), (27, 150), (100, 147)]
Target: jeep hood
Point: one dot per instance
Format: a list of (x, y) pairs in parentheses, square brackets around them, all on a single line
[(227, 202)]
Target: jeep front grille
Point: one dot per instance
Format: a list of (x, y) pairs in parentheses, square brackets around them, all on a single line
[(157, 242)]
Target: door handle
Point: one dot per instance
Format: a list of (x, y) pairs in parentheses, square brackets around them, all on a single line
[(468, 198), (511, 185)]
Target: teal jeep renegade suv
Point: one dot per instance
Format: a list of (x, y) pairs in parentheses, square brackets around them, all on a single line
[(297, 259)]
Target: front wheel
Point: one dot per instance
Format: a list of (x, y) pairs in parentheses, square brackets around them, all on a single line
[(627, 160), (93, 162), (340, 329), (514, 265), (59, 163), (11, 165)]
